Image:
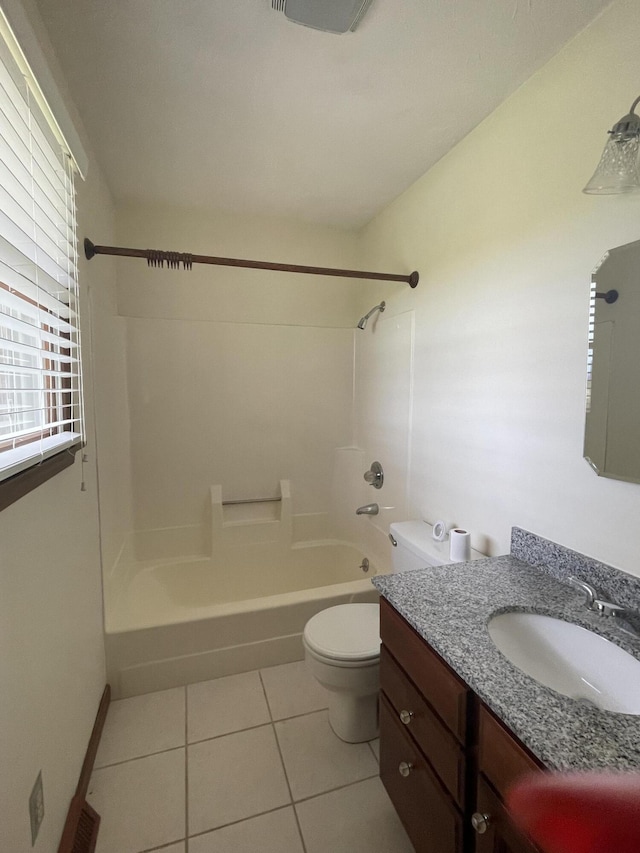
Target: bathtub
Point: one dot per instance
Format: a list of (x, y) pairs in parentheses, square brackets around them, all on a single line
[(177, 621)]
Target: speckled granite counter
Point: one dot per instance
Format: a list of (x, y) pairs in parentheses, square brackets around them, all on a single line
[(449, 606)]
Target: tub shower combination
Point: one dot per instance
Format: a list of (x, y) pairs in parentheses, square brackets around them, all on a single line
[(173, 621)]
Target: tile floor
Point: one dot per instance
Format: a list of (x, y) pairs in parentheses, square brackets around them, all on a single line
[(240, 764)]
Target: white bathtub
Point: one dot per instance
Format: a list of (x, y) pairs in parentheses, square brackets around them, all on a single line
[(175, 622)]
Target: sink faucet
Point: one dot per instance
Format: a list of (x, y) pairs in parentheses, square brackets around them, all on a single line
[(592, 602), (369, 509)]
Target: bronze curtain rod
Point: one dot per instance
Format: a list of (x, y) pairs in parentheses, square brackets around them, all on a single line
[(158, 258)]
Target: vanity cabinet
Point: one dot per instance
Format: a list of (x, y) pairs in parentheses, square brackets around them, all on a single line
[(445, 760)]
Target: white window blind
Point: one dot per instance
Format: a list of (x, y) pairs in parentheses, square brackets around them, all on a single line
[(40, 370)]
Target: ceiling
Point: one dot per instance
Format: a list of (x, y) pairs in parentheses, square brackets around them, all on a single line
[(225, 104)]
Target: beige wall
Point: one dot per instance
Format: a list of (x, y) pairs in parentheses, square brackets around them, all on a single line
[(237, 377), (52, 670), (505, 243)]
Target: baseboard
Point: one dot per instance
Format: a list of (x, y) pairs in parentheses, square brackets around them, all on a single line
[(80, 831)]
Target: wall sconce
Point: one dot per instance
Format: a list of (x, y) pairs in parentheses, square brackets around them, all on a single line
[(617, 170)]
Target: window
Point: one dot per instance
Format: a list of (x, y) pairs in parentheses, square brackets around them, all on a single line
[(40, 368)]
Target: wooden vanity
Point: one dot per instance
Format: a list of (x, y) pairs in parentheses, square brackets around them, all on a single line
[(445, 759)]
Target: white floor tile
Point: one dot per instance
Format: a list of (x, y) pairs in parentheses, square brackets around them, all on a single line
[(356, 819), (225, 705), (141, 803), (292, 690), (316, 760), (142, 725), (234, 777), (276, 832), (172, 848)]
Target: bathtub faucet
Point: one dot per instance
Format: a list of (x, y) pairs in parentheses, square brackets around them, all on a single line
[(369, 509)]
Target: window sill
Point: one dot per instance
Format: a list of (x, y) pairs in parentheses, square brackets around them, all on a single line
[(21, 484)]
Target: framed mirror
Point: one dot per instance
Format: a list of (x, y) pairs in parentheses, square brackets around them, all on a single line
[(612, 426)]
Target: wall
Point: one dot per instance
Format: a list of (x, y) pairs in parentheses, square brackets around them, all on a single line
[(505, 243), (51, 639), (255, 368)]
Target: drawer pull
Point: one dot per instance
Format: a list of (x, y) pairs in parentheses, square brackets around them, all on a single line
[(480, 822), (405, 768), (406, 717)]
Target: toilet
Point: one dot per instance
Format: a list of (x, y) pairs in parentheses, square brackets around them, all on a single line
[(342, 643), (342, 650)]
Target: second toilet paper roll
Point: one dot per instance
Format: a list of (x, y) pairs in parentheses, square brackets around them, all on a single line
[(459, 545)]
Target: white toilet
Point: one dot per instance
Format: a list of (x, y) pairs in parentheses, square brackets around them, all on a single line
[(342, 643), (342, 649)]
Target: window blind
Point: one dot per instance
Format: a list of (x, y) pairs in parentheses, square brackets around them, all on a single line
[(40, 369)]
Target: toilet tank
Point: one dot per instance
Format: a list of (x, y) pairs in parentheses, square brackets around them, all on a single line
[(417, 548)]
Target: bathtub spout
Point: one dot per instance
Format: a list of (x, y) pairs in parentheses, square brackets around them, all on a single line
[(369, 509)]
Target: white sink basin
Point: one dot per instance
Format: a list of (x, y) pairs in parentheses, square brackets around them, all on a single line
[(569, 659)]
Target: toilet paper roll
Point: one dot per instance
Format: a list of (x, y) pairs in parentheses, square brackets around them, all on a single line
[(440, 530), (459, 545)]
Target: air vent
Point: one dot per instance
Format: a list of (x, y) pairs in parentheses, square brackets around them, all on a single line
[(331, 16)]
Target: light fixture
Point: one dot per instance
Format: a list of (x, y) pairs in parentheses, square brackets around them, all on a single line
[(332, 16), (617, 170)]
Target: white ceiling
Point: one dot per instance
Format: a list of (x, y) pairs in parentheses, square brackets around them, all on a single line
[(226, 104)]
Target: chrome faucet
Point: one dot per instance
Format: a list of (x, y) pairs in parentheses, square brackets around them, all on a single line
[(369, 509), (595, 604)]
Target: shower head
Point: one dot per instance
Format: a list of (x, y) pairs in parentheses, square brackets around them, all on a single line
[(363, 320)]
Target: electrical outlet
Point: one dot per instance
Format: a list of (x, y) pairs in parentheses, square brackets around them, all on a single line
[(36, 807)]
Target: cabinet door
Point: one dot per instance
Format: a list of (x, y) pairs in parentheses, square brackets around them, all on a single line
[(432, 821), (438, 745), (494, 831), (445, 692)]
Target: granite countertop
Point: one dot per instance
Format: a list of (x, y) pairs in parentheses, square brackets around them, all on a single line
[(450, 605)]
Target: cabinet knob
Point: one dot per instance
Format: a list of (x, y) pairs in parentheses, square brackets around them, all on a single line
[(405, 768), (480, 822), (406, 717)]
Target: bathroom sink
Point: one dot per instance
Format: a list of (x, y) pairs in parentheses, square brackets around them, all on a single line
[(569, 659)]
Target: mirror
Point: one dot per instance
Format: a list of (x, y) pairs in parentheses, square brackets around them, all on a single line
[(612, 428)]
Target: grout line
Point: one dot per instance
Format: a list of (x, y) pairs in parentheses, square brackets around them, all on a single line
[(138, 757), (260, 814), (339, 788), (268, 722), (186, 769), (241, 820), (266, 695), (162, 847), (275, 734), (228, 734), (304, 714), (204, 740), (373, 751)]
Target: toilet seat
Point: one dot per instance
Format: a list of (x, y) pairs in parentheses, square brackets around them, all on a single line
[(345, 635)]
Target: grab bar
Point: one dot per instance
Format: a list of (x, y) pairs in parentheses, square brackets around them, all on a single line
[(252, 501)]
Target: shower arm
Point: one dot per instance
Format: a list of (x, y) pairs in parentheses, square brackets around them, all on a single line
[(173, 260), (362, 323)]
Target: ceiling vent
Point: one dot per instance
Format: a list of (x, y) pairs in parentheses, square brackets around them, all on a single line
[(332, 16)]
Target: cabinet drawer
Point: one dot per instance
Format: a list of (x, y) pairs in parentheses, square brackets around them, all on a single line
[(443, 751), (433, 823), (444, 691), (499, 835), (502, 758)]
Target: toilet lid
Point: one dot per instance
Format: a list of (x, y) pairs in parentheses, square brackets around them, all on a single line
[(345, 632)]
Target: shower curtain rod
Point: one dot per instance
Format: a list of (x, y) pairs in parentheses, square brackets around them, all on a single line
[(158, 258)]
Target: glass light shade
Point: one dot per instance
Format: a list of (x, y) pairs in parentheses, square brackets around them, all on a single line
[(617, 170)]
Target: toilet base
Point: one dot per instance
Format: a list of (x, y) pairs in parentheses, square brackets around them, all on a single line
[(354, 719)]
